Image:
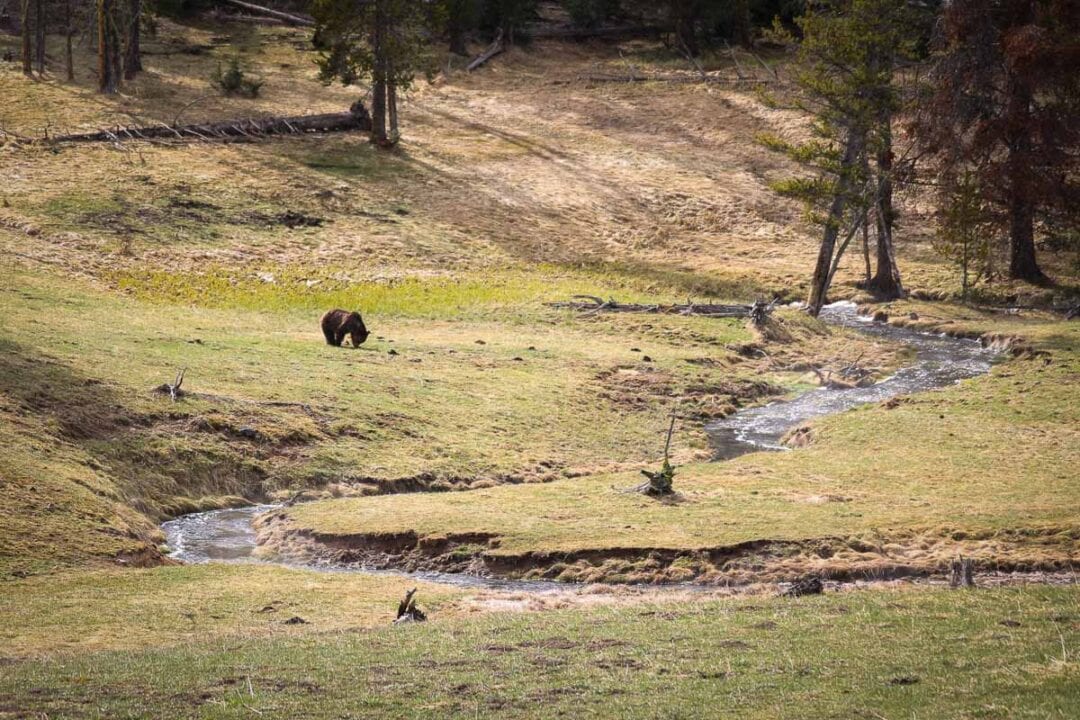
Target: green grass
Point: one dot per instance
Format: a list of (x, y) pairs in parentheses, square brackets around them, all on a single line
[(997, 481), (1006, 653), (81, 612), (513, 294), (486, 385)]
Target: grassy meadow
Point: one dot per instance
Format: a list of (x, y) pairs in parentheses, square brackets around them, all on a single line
[(1004, 653), (497, 433)]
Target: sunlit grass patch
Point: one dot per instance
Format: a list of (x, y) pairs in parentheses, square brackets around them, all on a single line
[(451, 295), (80, 612), (894, 653)]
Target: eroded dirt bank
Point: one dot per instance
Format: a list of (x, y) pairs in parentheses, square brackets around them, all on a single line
[(910, 554)]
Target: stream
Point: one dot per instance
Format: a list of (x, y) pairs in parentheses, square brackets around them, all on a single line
[(939, 361), (228, 535)]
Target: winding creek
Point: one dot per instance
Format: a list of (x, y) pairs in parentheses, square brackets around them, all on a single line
[(228, 535)]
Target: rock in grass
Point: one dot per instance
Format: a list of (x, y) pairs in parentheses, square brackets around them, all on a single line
[(806, 586)]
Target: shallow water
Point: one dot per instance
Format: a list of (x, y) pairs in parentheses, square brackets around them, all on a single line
[(939, 361), (228, 535)]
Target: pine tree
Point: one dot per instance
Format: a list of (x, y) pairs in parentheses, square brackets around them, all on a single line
[(962, 235), (1003, 99), (382, 41), (845, 75)]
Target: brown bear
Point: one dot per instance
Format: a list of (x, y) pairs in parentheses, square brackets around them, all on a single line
[(336, 324)]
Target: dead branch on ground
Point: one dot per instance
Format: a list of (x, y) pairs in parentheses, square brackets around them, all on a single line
[(758, 311), (356, 119), (287, 18), (496, 47), (173, 389), (677, 79)]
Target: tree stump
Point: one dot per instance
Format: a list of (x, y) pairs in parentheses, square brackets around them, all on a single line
[(407, 610), (963, 572)]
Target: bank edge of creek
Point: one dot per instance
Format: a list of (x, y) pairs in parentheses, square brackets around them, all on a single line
[(264, 533)]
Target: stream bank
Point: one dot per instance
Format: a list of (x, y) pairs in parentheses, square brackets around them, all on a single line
[(229, 535)]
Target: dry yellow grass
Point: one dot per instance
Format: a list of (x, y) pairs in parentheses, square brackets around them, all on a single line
[(515, 164)]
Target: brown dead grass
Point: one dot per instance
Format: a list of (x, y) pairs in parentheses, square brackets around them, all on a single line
[(518, 163)]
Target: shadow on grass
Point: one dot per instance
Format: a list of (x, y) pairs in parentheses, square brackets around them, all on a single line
[(162, 462)]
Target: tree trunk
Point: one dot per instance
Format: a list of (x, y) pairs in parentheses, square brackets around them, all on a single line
[(886, 281), (378, 113), (457, 42), (866, 251), (1022, 262), (108, 48), (380, 76), (69, 32), (456, 29), (133, 55), (39, 35), (391, 110), (27, 40), (743, 31), (819, 285), (685, 28)]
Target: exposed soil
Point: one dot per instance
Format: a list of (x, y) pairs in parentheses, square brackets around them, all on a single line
[(911, 554)]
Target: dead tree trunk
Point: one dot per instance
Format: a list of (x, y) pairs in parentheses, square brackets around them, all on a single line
[(287, 18), (247, 128), (963, 572), (408, 611), (819, 285), (497, 46)]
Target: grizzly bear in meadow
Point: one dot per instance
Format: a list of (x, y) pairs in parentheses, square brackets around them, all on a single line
[(336, 324)]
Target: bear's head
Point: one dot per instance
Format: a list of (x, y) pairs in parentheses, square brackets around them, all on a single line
[(357, 331)]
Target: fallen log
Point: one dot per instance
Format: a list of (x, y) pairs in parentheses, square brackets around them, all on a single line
[(592, 304), (684, 79), (287, 18), (575, 33), (356, 119), (497, 46), (179, 50)]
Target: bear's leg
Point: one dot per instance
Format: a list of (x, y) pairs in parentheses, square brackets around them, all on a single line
[(339, 337), (328, 334)]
